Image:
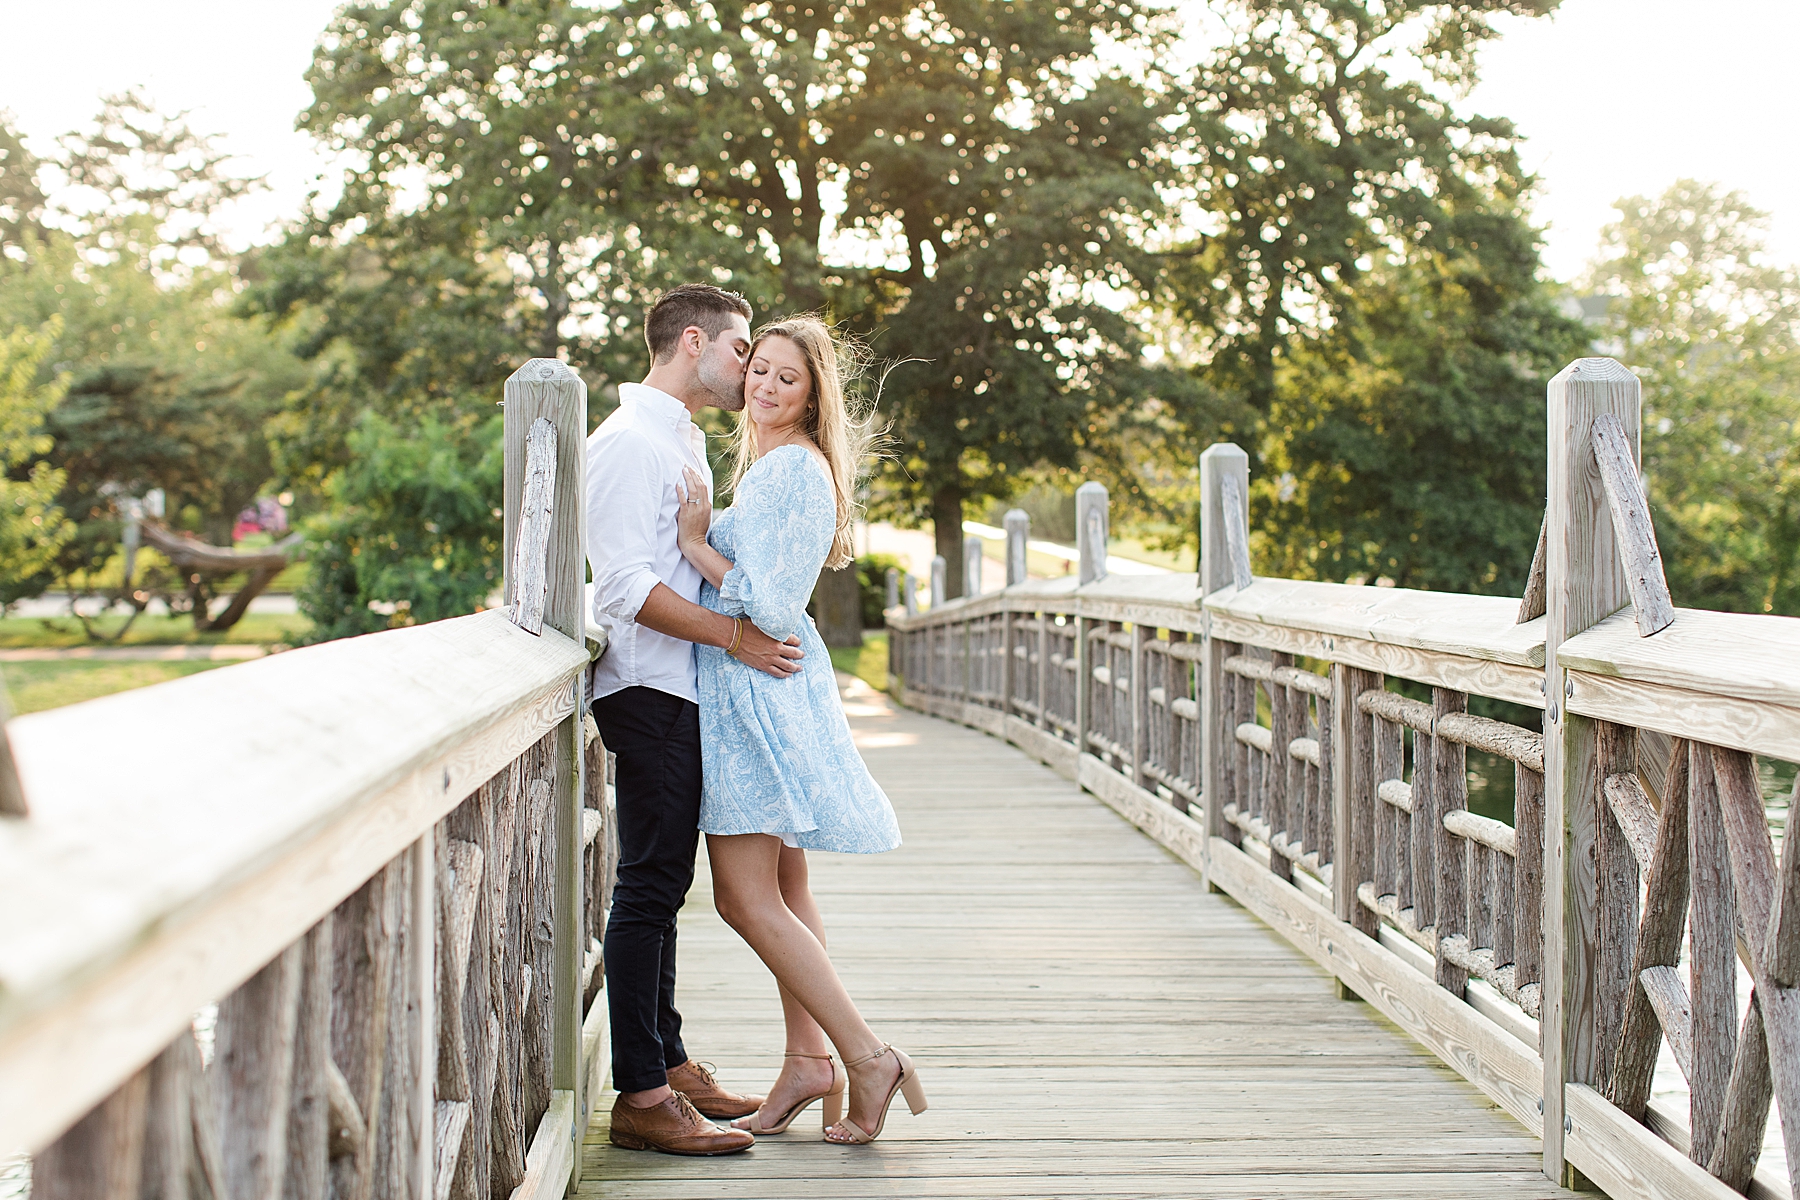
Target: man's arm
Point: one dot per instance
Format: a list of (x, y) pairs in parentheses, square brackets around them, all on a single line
[(674, 617)]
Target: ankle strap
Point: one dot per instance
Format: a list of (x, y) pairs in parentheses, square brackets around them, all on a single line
[(797, 1054), (857, 1062)]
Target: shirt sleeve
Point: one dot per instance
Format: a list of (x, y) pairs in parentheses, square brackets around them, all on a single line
[(787, 518), (624, 493)]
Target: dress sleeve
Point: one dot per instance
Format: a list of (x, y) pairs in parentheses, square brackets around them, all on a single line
[(786, 519)]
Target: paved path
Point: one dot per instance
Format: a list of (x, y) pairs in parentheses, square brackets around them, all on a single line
[(1087, 1019)]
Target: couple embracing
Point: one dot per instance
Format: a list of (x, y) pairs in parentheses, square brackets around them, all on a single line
[(718, 698)]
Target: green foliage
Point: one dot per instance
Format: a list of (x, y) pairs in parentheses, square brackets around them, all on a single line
[(1711, 327), (163, 384), (412, 533), (577, 160), (1407, 441), (871, 583), (32, 527)]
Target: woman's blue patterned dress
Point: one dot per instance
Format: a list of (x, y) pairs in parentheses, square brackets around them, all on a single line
[(777, 753)]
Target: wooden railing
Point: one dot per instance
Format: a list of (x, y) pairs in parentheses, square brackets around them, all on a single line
[(1304, 745), (376, 869)]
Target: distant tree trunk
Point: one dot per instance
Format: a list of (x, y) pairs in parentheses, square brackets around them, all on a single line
[(947, 519), (837, 602)]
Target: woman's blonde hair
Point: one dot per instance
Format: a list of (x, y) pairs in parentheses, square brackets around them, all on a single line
[(843, 437)]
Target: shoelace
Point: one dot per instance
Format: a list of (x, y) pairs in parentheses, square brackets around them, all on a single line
[(689, 1111), (705, 1071)]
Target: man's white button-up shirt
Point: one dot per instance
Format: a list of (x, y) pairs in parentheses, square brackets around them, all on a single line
[(634, 462)]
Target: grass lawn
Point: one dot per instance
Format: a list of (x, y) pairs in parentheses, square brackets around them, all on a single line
[(35, 686), (19, 633), (868, 663)]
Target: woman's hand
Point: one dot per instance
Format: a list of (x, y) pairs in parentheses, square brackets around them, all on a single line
[(695, 517), (691, 524)]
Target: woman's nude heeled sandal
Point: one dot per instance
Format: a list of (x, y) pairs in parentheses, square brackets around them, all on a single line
[(832, 1096), (851, 1134)]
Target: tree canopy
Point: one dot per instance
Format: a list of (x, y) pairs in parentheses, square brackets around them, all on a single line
[(1698, 311)]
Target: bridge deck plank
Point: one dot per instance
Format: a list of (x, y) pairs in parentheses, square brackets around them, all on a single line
[(1088, 1020)]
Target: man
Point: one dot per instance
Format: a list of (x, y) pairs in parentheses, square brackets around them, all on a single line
[(645, 690)]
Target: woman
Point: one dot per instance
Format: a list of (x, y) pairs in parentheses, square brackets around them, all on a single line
[(781, 773)]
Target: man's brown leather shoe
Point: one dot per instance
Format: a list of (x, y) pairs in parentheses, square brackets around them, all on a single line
[(696, 1082), (672, 1127)]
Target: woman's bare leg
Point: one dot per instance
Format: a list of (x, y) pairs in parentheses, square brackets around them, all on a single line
[(748, 891)]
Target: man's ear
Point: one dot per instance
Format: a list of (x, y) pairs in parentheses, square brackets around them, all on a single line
[(693, 339)]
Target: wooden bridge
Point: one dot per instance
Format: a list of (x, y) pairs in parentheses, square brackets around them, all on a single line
[(327, 924)]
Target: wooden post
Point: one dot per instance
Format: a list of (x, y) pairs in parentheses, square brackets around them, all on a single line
[(1018, 533), (971, 566), (909, 593), (1141, 634), (1585, 582), (1091, 530), (893, 587), (1216, 462), (547, 388)]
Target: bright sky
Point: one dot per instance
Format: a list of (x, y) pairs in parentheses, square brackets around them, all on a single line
[(1615, 97)]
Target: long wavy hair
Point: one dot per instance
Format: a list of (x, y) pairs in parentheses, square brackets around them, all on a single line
[(842, 436)]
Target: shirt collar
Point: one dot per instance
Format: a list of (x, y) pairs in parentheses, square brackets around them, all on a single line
[(659, 404)]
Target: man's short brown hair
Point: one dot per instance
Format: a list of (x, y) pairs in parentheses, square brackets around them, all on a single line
[(691, 305)]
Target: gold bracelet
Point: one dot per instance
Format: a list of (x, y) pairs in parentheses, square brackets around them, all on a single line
[(737, 636)]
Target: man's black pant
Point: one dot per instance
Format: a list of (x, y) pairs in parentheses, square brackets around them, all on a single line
[(657, 739)]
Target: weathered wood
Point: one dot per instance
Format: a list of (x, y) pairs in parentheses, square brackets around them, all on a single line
[(1616, 456), (254, 1058), (451, 1127), (1658, 941), (1584, 585), (1483, 831), (1449, 794), (135, 894), (1392, 706), (402, 1129), (309, 1110), (472, 825), (1746, 1110), (1531, 604), (508, 874), (1781, 956), (1668, 999), (1218, 562), (1747, 656), (1632, 810), (546, 388), (1712, 955), (1358, 822), (169, 1167), (1522, 746), (1528, 878), (551, 1164), (1235, 504), (1616, 902), (1623, 1158), (537, 1045), (100, 1157), (349, 1128), (364, 935), (527, 579), (1426, 828)]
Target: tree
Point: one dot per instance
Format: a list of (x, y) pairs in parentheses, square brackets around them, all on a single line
[(1323, 141), (1406, 442), (32, 527), (1359, 283), (993, 175), (21, 197), (410, 534), (1697, 310), (162, 384)]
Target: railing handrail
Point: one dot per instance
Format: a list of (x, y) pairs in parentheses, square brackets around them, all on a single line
[(155, 893)]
